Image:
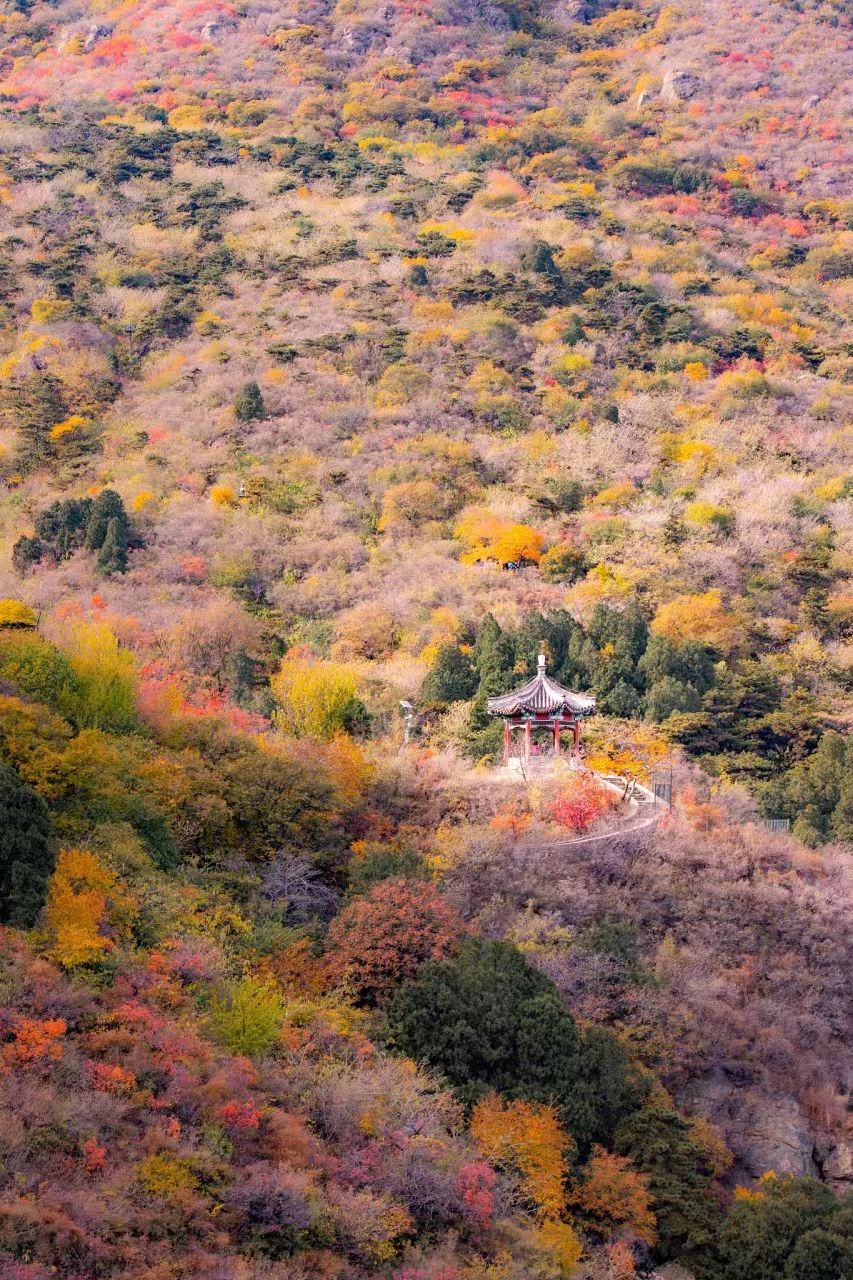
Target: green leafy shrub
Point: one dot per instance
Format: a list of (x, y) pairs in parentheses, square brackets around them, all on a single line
[(247, 1018)]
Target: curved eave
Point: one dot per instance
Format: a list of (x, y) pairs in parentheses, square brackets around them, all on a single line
[(542, 696)]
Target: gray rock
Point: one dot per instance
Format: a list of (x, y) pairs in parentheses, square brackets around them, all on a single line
[(362, 37), (764, 1131), (811, 102), (838, 1166), (679, 85), (95, 33)]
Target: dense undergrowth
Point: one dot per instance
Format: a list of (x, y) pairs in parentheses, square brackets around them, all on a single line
[(352, 353)]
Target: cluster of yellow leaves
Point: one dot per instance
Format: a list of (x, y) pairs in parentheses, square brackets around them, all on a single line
[(526, 1139), (13, 613), (410, 504), (44, 310), (166, 1175), (83, 894), (616, 496), (71, 426), (705, 513), (701, 617), (314, 696), (832, 490), (756, 1193), (488, 537), (632, 753), (348, 766), (222, 495)]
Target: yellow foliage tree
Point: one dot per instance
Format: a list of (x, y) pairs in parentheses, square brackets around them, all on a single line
[(488, 537), (701, 617), (76, 911), (106, 675), (410, 504), (315, 698), (526, 1137), (13, 613), (562, 1243)]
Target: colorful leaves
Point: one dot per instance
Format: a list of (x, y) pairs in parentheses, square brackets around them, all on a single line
[(378, 942), (582, 801), (527, 1138), (316, 698), (36, 1043), (701, 617), (488, 537), (76, 914)]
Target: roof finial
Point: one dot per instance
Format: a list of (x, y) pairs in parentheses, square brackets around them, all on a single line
[(542, 664)]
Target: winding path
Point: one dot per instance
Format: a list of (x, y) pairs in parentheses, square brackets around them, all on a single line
[(644, 812)]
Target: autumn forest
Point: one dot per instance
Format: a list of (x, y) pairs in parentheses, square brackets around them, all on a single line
[(353, 355)]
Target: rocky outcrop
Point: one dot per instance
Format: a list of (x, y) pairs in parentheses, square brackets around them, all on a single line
[(765, 1132), (769, 1131), (95, 34), (837, 1167), (679, 85)]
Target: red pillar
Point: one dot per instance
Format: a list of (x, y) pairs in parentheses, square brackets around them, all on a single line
[(506, 742), (576, 728), (527, 741), (556, 739)]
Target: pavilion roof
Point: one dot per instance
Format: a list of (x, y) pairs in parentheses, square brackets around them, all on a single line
[(542, 694)]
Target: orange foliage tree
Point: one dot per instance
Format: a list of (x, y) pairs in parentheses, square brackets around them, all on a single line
[(526, 1138), (611, 1195), (379, 941), (488, 537)]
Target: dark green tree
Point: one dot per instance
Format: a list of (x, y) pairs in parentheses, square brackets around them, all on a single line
[(817, 794), (27, 851), (659, 1144), (795, 1229), (820, 1255), (63, 525), (106, 507), (249, 403), (26, 553), (489, 1020), (112, 557), (36, 408), (669, 694), (493, 655), (690, 663), (451, 677), (538, 257)]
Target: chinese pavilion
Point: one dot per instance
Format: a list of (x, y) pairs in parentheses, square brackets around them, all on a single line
[(541, 703)]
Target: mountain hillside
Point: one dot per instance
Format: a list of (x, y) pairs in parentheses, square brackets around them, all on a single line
[(356, 354)]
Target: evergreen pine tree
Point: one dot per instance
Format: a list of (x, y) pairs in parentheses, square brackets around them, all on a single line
[(27, 851), (659, 1144), (106, 507), (112, 557), (37, 407), (27, 552), (249, 403), (451, 678)]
